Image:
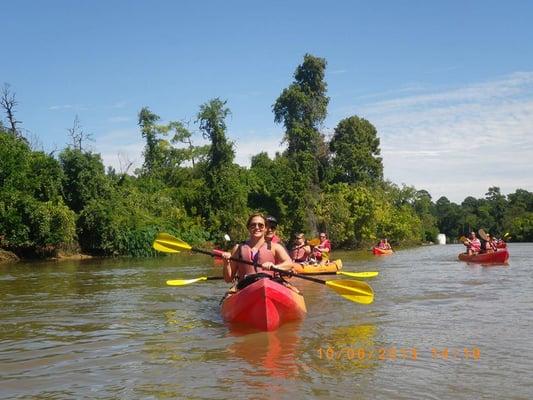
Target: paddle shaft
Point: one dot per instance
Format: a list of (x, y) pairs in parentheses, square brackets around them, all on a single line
[(281, 271)]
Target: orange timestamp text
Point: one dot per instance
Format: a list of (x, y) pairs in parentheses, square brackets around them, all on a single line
[(394, 353)]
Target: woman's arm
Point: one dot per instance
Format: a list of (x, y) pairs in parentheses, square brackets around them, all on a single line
[(230, 267)]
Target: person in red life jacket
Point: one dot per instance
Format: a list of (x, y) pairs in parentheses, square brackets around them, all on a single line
[(263, 254), (271, 226), (300, 250), (473, 245), (384, 244), (323, 250)]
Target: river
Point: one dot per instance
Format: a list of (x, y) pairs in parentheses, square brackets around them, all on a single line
[(106, 329)]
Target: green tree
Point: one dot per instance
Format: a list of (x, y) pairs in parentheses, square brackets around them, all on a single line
[(496, 204), (355, 149), (425, 209), (84, 178), (150, 132), (33, 217), (471, 213), (450, 218), (224, 207), (302, 108)]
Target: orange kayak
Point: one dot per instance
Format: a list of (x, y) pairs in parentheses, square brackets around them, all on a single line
[(327, 267), (264, 304), (381, 252), (499, 257)]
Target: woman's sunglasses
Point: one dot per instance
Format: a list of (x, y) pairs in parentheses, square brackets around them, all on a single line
[(256, 225)]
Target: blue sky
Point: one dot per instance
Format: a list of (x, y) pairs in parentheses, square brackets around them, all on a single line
[(448, 85)]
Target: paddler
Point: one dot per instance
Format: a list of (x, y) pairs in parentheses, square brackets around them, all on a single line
[(256, 249), (300, 251), (473, 245), (323, 250), (271, 226)]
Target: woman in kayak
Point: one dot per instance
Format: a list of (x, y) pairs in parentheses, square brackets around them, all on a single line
[(322, 251), (384, 244), (263, 254), (300, 251), (473, 245)]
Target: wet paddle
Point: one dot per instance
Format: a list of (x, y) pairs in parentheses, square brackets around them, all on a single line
[(182, 282), (352, 290)]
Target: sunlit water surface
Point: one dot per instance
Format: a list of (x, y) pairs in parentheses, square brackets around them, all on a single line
[(102, 329)]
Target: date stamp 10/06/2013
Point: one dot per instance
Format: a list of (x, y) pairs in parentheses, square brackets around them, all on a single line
[(394, 353)]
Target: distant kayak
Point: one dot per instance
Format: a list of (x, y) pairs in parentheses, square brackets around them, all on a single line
[(499, 257), (381, 252), (264, 304), (317, 269)]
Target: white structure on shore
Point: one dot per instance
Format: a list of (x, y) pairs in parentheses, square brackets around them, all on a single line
[(441, 238)]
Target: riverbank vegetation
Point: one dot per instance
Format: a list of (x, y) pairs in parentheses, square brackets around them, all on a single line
[(68, 202)]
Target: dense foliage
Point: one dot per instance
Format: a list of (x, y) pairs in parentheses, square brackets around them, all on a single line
[(198, 193)]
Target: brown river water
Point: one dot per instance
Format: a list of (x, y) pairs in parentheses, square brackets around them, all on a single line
[(439, 328)]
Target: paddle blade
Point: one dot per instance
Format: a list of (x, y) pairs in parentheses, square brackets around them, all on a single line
[(314, 242), (182, 282), (369, 274), (356, 291), (170, 244), (164, 248), (482, 234)]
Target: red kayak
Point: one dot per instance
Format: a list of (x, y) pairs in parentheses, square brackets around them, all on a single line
[(381, 252), (264, 304), (499, 257)]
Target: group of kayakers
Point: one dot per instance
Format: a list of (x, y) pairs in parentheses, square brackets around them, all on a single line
[(263, 248), (303, 251), (487, 244), (384, 244)]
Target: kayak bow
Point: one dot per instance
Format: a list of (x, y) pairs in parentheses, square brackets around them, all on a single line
[(264, 304)]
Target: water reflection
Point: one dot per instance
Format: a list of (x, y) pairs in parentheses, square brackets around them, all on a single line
[(345, 348), (268, 353)]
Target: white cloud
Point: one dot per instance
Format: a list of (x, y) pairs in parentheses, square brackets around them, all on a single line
[(62, 107), (120, 147), (461, 141), (254, 144), (76, 107)]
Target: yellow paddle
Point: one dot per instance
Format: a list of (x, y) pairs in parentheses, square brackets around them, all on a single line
[(183, 282), (368, 274), (482, 234), (314, 242), (352, 290)]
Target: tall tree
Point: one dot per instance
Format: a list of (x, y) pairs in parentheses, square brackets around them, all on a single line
[(150, 132), (450, 218), (224, 203), (355, 149), (302, 108), (496, 205)]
